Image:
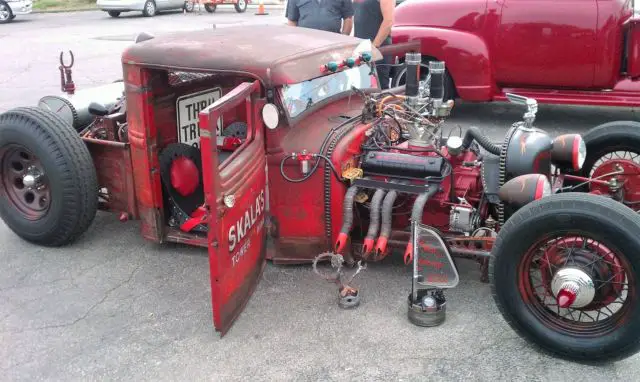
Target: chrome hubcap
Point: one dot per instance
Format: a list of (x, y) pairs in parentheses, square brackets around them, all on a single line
[(32, 178), (572, 288)]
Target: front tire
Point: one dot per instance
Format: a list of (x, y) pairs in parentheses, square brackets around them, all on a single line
[(598, 238), (48, 183), (210, 8)]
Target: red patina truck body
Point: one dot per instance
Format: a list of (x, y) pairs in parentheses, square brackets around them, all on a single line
[(557, 51)]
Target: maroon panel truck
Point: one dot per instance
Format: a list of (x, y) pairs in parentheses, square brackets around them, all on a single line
[(581, 52)]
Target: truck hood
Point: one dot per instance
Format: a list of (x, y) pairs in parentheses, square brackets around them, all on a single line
[(466, 15)]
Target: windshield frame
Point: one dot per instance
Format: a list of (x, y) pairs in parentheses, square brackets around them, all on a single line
[(324, 102)]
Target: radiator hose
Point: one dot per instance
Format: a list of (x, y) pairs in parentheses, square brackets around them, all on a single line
[(347, 218), (416, 216), (374, 221), (385, 227), (474, 133)]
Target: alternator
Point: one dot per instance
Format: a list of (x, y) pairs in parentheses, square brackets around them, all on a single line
[(463, 219)]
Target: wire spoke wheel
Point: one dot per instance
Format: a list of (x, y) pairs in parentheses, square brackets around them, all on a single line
[(613, 156), (564, 275), (616, 155), (577, 285), (622, 170)]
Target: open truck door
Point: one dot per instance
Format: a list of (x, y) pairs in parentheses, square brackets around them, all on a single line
[(236, 204)]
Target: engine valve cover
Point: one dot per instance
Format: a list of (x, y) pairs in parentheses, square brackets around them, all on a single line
[(400, 165)]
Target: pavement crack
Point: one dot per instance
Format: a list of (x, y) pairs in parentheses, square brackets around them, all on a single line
[(88, 312)]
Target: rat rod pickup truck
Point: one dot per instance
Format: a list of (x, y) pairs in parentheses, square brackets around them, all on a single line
[(280, 146), (583, 52)]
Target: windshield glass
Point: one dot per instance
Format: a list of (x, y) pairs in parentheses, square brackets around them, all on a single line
[(301, 96)]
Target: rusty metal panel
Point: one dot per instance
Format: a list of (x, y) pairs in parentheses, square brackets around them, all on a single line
[(115, 173), (272, 54)]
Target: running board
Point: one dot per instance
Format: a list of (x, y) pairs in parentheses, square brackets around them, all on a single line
[(574, 97)]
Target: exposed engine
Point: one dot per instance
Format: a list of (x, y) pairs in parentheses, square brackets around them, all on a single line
[(446, 194)]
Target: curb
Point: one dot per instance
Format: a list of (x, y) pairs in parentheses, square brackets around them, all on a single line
[(273, 5), (64, 10)]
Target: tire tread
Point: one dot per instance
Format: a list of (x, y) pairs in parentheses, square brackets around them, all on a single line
[(73, 159)]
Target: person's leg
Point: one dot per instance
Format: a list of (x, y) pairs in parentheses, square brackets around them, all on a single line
[(384, 68)]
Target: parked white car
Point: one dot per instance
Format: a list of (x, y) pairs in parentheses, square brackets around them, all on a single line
[(9, 9), (148, 7)]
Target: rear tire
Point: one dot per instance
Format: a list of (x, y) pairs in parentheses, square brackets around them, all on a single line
[(114, 14), (69, 177), (606, 139), (211, 8), (570, 214), (150, 9)]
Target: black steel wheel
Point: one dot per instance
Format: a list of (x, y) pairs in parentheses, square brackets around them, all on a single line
[(564, 276), (48, 183)]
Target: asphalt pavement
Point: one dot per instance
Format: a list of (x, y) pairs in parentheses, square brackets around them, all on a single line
[(114, 306)]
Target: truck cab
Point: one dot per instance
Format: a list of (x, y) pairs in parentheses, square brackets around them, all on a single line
[(562, 51)]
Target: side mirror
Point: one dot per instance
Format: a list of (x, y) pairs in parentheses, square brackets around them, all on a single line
[(98, 109)]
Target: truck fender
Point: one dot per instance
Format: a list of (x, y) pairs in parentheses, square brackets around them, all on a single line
[(466, 57)]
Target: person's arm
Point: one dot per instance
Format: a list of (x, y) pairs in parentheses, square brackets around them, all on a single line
[(347, 25), (387, 7), (292, 13), (347, 16)]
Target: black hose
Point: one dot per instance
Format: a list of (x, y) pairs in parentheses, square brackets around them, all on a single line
[(420, 202), (320, 152), (374, 214), (387, 219), (333, 168), (347, 218), (347, 210), (474, 133)]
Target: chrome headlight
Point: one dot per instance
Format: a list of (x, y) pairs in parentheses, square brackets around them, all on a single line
[(569, 152)]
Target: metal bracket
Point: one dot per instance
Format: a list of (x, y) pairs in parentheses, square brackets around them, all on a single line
[(66, 81), (530, 103)]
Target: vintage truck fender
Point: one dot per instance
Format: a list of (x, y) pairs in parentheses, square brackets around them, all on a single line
[(466, 56)]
